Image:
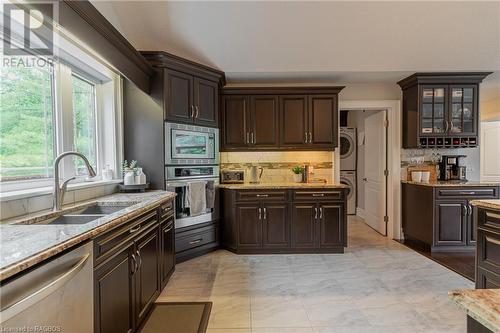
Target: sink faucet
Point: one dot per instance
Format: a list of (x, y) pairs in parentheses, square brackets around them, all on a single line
[(59, 190)]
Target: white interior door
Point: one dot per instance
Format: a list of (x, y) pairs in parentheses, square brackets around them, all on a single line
[(490, 163), (375, 164)]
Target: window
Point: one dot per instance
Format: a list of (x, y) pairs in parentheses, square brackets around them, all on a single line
[(45, 111), (26, 123)]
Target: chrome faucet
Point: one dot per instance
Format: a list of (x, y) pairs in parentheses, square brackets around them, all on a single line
[(59, 190)]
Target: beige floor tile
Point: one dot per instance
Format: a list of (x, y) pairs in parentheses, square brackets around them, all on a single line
[(230, 312), (278, 312)]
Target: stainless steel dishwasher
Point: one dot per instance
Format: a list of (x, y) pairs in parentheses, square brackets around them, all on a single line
[(56, 296)]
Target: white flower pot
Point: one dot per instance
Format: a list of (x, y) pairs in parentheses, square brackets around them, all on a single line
[(297, 178)]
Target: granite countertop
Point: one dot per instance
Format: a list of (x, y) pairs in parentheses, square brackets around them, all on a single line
[(24, 243), (481, 304), (491, 204), (450, 183), (277, 186)]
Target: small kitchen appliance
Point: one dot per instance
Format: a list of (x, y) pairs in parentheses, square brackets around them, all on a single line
[(229, 176), (450, 168)]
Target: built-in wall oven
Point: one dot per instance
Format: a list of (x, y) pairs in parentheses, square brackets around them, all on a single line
[(178, 179), (191, 145)]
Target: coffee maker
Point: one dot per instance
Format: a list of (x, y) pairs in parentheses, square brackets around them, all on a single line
[(450, 168)]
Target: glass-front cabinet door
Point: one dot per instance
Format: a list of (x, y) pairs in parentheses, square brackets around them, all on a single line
[(433, 119), (462, 117)]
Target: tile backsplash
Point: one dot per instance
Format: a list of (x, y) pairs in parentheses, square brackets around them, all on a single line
[(471, 161), (277, 165)]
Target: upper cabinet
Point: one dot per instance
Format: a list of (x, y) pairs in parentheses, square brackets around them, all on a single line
[(279, 118), (189, 92), (441, 110)]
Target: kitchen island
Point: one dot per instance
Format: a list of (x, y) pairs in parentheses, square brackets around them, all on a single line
[(439, 215), (284, 217), (482, 307)]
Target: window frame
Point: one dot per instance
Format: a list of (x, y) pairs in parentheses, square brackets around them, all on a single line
[(108, 118)]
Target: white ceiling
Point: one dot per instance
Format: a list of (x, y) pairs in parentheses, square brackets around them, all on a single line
[(319, 42)]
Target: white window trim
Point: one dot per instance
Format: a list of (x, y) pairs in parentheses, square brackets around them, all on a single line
[(109, 131)]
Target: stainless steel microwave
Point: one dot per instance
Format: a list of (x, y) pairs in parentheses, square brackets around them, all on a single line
[(191, 145)]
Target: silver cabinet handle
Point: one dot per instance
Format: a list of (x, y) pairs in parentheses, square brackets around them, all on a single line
[(265, 214), (315, 213), (191, 109), (169, 227), (318, 194), (464, 210), (469, 210), (136, 265), (451, 126), (467, 193), (197, 108), (139, 265), (305, 140), (262, 195), (310, 137), (44, 291), (447, 126), (260, 214), (196, 241), (248, 138), (320, 212), (133, 230), (252, 138)]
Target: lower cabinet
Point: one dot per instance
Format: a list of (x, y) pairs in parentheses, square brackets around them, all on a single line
[(451, 223), (488, 249), (132, 263), (273, 222)]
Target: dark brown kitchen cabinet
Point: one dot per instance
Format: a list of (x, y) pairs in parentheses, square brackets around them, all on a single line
[(298, 118), (488, 247), (113, 293), (294, 121), (188, 92), (303, 225), (441, 217), (451, 223), (250, 225), (132, 262), (284, 221), (264, 121), (441, 110)]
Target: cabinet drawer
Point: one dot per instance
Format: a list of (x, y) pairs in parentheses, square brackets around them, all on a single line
[(486, 279), (489, 219), (469, 193), (318, 195), (166, 210), (488, 251), (261, 195), (117, 237), (205, 236)]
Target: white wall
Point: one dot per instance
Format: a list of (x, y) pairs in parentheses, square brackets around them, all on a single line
[(490, 151)]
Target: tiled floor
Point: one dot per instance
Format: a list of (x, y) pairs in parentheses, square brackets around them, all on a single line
[(378, 285)]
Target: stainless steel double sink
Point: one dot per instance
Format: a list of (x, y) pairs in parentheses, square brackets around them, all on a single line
[(86, 215)]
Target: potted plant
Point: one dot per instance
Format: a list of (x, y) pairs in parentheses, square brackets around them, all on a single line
[(297, 173)]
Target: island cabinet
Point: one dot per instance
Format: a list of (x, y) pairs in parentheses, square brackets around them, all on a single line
[(440, 217), (132, 262), (488, 247), (279, 118), (188, 92), (284, 221), (441, 109)]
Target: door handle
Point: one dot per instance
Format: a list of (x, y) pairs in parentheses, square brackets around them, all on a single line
[(310, 137), (139, 264), (447, 126), (169, 227), (265, 214), (248, 138), (467, 193), (318, 194), (305, 137), (320, 213), (191, 109), (469, 210), (252, 140), (365, 179), (315, 213), (196, 241), (197, 108), (136, 266), (260, 214), (262, 195), (44, 291), (133, 230), (464, 210)]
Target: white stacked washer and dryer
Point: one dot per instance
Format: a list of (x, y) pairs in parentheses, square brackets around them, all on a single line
[(348, 154)]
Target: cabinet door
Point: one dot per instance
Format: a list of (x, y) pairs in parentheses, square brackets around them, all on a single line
[(276, 232), (235, 122), (167, 256), (206, 102), (304, 217), (451, 220), (249, 225), (433, 116), (264, 118), (323, 120), (113, 294), (463, 113), (146, 276), (331, 218), (178, 97), (293, 121)]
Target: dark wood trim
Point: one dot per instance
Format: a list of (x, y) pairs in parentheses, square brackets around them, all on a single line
[(442, 78), (282, 90), (165, 59)]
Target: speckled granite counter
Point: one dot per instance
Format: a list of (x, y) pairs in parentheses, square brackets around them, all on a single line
[(23, 243), (489, 204), (278, 186), (451, 183), (483, 305)]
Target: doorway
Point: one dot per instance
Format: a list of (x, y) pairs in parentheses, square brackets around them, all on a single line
[(393, 161), (366, 130)]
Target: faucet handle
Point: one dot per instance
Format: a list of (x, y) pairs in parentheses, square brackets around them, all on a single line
[(64, 185)]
